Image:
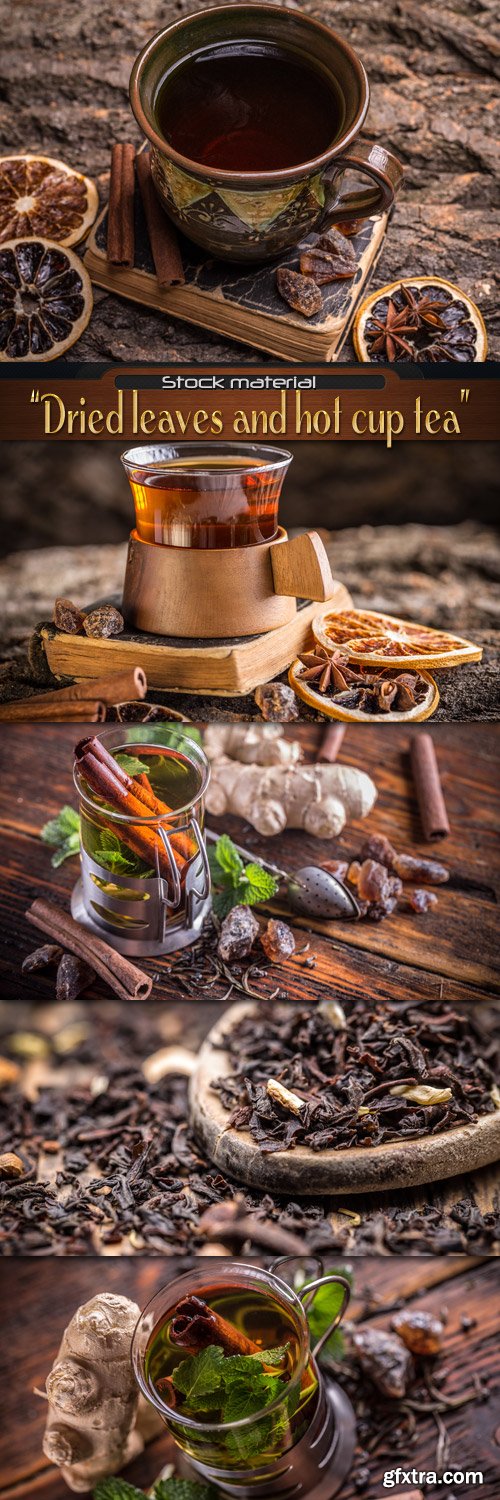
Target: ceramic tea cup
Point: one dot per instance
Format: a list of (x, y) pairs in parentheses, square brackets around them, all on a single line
[(241, 215)]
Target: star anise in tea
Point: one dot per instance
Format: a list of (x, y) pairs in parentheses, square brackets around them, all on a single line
[(388, 335)]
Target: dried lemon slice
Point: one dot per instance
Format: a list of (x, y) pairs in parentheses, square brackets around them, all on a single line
[(41, 196), (456, 334), (426, 705), (385, 640), (45, 299)]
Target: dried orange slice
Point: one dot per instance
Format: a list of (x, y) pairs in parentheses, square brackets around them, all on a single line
[(457, 333), (45, 299), (385, 640), (324, 704), (41, 196)]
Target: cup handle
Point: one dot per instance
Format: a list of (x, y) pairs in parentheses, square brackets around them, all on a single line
[(301, 568), (385, 172)]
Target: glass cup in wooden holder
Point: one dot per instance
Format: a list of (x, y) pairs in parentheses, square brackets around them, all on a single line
[(285, 1447), (145, 882), (206, 495)]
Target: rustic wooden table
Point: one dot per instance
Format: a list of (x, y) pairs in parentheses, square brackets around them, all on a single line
[(448, 955), (444, 576), (35, 1309), (64, 78)]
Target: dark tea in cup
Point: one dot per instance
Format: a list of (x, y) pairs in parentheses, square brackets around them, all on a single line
[(218, 496), (249, 107)]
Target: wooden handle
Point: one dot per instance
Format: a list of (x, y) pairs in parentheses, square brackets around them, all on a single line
[(301, 568)]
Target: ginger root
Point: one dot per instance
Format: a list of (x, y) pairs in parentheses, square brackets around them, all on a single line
[(317, 798), (95, 1421), (254, 744)]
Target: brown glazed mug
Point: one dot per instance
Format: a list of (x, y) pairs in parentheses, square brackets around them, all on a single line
[(252, 216)]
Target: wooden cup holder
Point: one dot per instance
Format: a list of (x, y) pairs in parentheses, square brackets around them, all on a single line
[(213, 593)]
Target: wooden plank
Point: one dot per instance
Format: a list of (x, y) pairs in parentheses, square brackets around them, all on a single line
[(438, 953), (35, 1309)]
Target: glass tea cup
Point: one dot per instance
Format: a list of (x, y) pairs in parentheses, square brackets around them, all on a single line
[(213, 495), (145, 879), (270, 1311)]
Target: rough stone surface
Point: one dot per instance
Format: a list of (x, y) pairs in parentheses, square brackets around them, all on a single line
[(443, 575), (63, 87)]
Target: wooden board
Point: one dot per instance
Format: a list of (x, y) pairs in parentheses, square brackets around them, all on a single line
[(222, 668), (36, 1307), (395, 1165), (237, 301), (451, 953)]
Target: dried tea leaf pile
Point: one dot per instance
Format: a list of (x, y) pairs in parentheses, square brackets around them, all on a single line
[(397, 1073)]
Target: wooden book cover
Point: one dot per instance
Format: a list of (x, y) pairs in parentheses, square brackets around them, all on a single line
[(240, 302), (222, 668)]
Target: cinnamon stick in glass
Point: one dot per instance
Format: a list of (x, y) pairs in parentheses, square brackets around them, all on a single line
[(195, 1325), (121, 238), (127, 981), (162, 236), (139, 792)]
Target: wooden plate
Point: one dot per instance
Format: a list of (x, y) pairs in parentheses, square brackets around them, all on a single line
[(372, 639), (398, 1164), (332, 710)]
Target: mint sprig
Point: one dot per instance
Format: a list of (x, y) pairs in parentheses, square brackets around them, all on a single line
[(63, 835), (233, 882), (164, 1489)]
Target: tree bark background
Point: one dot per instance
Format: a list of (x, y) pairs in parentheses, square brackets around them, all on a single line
[(64, 71)]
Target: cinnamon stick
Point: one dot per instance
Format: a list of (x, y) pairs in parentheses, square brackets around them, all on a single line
[(162, 235), (331, 741), (127, 981), (127, 686), (144, 841), (86, 711), (121, 239), (195, 1325), (138, 788), (431, 803)]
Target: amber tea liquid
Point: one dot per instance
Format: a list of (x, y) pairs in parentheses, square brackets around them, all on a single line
[(262, 1318), (248, 107), (220, 503)]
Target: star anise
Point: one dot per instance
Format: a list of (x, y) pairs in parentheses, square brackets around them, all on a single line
[(389, 336), (422, 309), (325, 669)]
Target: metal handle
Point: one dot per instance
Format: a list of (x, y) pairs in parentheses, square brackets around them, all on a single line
[(175, 899), (202, 892), (308, 1291), (205, 890)]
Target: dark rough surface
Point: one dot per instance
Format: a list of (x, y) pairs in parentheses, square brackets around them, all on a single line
[(446, 576), (63, 89)]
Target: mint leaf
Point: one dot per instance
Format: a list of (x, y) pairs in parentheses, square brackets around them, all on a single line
[(63, 835), (223, 901), (239, 1365), (200, 1374), (260, 885), (117, 1489), (326, 1304), (112, 860), (183, 1489), (60, 828), (67, 850), (109, 840), (131, 763), (228, 858), (244, 1399)]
